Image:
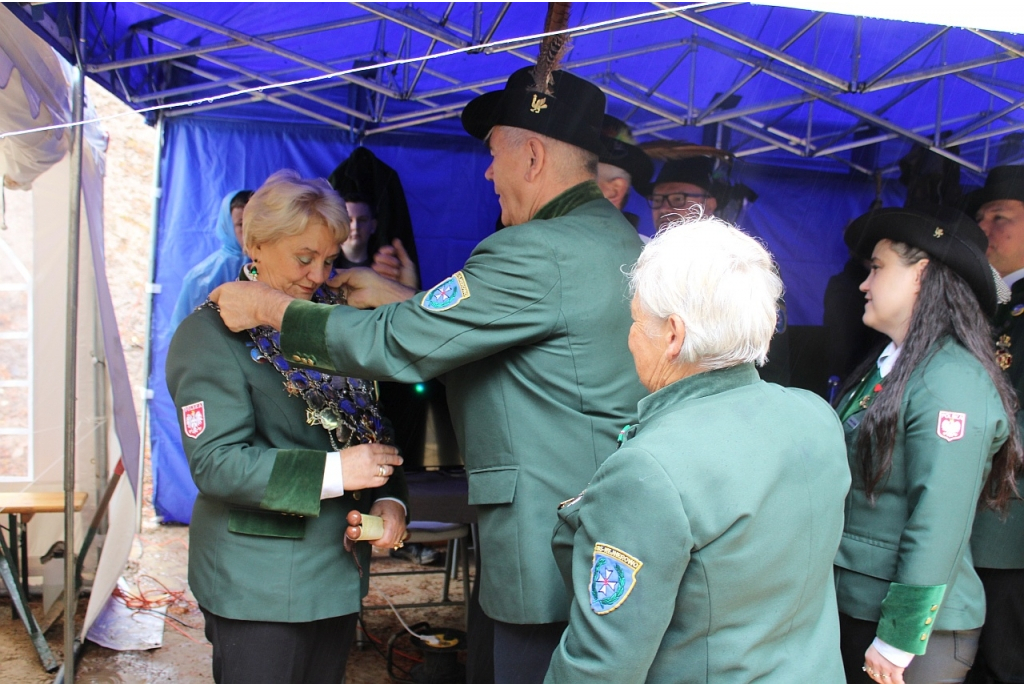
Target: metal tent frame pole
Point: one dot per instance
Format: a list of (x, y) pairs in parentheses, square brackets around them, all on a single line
[(151, 291), (70, 373), (454, 28)]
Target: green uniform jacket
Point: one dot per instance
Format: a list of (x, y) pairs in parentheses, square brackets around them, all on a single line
[(908, 555), (998, 542), (731, 497), (262, 546), (531, 340)]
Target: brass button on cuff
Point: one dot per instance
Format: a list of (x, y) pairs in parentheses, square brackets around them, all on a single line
[(928, 621), (935, 607)]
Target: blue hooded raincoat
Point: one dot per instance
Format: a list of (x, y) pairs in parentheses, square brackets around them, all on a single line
[(220, 267)]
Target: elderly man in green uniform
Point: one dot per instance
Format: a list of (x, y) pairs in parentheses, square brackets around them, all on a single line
[(997, 544), (622, 165), (529, 336)]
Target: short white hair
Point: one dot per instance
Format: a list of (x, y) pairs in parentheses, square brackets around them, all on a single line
[(720, 281), (568, 160)]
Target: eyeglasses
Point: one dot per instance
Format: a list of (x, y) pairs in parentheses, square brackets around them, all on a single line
[(677, 200)]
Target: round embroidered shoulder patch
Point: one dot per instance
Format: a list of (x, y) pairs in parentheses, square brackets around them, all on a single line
[(446, 294), (612, 578)]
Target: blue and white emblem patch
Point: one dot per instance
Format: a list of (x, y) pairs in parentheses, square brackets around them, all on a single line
[(446, 294), (612, 578)]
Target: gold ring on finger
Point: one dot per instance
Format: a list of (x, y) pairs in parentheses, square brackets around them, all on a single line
[(382, 470)]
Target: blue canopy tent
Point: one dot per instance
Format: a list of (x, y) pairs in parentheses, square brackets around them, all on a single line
[(816, 107)]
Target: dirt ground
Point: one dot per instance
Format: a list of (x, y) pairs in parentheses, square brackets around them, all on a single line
[(159, 560)]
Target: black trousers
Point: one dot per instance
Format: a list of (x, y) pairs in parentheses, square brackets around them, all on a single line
[(949, 657), (479, 637), (1001, 647), (522, 653), (272, 652)]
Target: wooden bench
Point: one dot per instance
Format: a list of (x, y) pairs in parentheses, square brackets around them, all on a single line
[(20, 507)]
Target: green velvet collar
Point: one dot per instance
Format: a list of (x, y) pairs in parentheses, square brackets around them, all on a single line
[(577, 196), (695, 387)]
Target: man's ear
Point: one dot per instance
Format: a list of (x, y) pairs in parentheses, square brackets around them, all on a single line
[(538, 158), (620, 188)]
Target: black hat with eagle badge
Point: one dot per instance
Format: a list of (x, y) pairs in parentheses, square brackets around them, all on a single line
[(543, 99)]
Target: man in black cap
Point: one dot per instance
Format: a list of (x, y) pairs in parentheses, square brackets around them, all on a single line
[(622, 164), (683, 185), (530, 336), (997, 544), (684, 188)]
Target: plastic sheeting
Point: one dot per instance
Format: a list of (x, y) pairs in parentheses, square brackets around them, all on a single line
[(44, 98)]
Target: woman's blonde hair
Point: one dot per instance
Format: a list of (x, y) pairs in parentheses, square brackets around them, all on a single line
[(285, 205)]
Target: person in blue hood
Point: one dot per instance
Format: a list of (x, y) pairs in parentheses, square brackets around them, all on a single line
[(220, 267)]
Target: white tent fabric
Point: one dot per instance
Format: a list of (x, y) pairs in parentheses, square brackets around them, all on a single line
[(35, 92)]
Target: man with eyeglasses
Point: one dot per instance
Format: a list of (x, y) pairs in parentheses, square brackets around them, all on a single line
[(683, 188), (682, 185)]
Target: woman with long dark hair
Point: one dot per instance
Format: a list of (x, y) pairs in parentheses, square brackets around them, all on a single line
[(929, 441)]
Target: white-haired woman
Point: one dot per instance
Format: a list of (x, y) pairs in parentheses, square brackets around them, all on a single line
[(281, 456), (702, 550)]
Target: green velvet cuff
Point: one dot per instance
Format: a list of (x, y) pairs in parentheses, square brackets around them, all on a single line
[(908, 616), (303, 337), (296, 482), (577, 196)]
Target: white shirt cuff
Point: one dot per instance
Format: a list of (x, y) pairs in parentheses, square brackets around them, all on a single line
[(897, 656), (334, 485), (394, 499)]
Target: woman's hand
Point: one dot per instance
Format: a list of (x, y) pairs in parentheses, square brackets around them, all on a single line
[(394, 523), (393, 516), (368, 466), (880, 669)]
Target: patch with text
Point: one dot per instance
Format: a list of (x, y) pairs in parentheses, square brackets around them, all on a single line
[(951, 425), (612, 578), (446, 294), (194, 419)]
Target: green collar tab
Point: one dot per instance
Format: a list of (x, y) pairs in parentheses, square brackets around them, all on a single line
[(577, 196), (861, 397), (697, 386)]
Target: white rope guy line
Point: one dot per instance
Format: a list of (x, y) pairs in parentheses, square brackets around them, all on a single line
[(355, 70)]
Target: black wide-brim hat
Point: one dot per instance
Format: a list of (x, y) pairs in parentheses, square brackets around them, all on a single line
[(625, 155), (573, 113), (1003, 183), (693, 170), (947, 235)]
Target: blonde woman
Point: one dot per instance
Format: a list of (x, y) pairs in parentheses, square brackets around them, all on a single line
[(280, 455)]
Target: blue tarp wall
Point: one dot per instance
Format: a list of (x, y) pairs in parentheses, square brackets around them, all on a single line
[(910, 81), (800, 215)]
